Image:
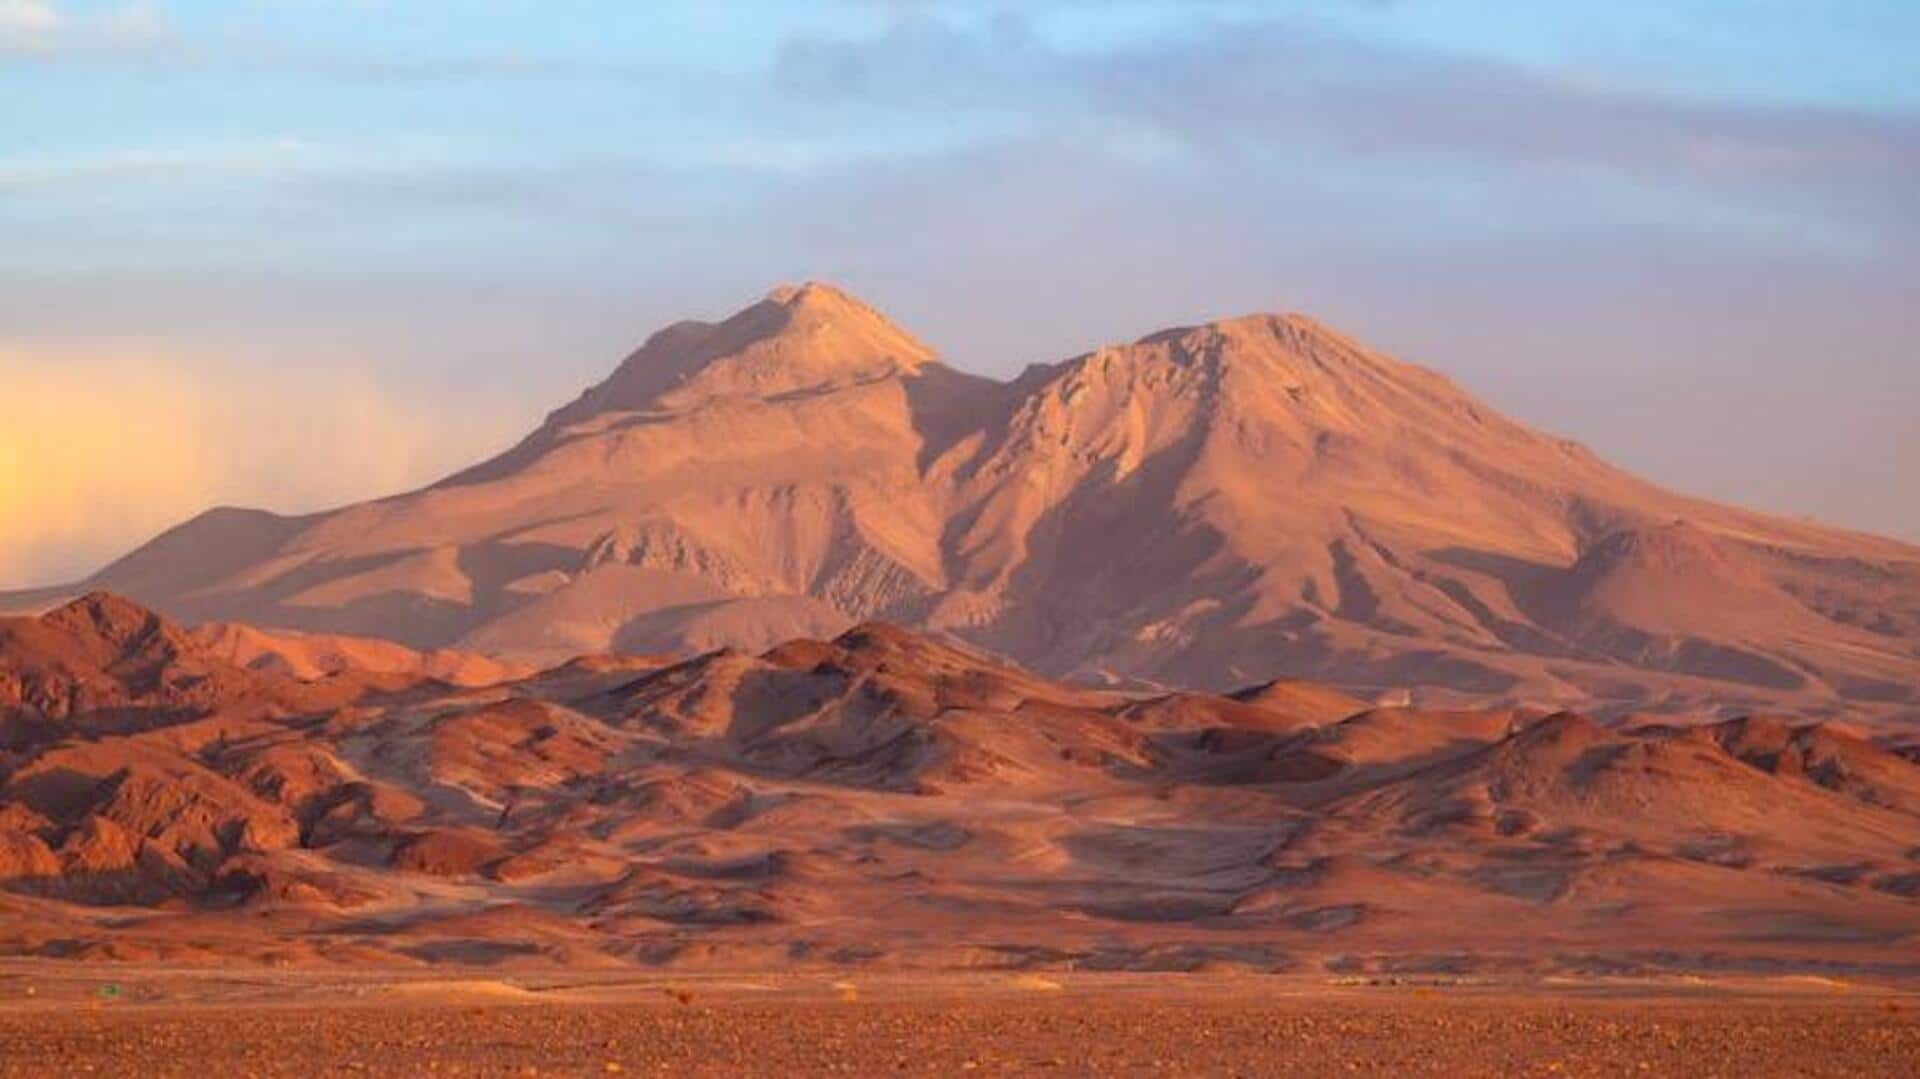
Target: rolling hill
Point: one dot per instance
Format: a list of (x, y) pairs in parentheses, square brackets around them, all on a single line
[(889, 799)]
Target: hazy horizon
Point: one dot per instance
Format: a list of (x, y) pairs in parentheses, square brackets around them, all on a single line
[(298, 256)]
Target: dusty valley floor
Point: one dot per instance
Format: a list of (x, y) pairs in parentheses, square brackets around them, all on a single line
[(61, 1019)]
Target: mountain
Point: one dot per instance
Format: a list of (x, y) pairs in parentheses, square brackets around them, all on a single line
[(888, 799), (1212, 506), (310, 656)]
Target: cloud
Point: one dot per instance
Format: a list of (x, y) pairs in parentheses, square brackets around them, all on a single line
[(58, 174), (36, 29), (138, 36), (26, 21), (1277, 95), (102, 451)]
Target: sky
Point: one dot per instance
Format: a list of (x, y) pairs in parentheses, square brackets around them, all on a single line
[(301, 252)]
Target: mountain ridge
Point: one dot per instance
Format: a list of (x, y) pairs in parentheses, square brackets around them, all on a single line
[(1218, 504)]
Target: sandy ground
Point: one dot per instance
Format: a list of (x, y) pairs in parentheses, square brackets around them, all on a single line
[(65, 1020)]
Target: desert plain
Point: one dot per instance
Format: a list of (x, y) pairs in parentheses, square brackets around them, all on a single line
[(59, 1019)]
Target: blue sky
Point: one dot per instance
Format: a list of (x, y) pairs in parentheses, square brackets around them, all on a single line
[(1681, 232)]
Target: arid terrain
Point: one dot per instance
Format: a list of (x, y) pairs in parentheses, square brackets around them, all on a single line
[(943, 537), (1205, 508), (166, 1023), (891, 801), (1234, 701)]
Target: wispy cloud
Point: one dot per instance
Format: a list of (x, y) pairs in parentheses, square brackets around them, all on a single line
[(25, 172), (1294, 89), (38, 29), (26, 21), (138, 36)]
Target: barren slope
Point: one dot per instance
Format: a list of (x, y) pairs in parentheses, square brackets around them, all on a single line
[(887, 798), (1210, 506)]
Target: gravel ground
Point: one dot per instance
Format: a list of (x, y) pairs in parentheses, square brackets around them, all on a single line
[(1186, 1031)]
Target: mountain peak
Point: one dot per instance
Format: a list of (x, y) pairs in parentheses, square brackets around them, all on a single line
[(1287, 331), (100, 631), (108, 619), (821, 297), (804, 337)]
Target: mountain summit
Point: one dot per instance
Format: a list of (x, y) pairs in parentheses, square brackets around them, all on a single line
[(801, 338), (1215, 505)]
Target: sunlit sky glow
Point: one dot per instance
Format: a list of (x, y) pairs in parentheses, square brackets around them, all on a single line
[(258, 232)]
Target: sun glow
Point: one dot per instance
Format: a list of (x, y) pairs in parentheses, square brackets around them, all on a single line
[(100, 451)]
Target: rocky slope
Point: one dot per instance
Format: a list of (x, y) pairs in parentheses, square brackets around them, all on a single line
[(891, 798), (1209, 506)]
